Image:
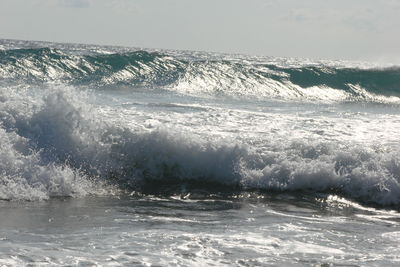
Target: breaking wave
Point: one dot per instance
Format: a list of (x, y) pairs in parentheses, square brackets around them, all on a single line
[(200, 75), (55, 144)]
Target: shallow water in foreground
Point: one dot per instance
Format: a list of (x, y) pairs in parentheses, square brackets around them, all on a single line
[(254, 230)]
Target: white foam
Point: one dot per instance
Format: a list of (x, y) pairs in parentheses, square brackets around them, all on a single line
[(54, 140), (32, 134), (248, 80)]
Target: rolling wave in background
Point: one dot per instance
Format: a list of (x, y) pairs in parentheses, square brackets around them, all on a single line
[(83, 121), (199, 75)]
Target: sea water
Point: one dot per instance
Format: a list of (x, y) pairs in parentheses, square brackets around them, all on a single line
[(116, 156)]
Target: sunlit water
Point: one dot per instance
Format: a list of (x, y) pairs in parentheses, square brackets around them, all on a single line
[(283, 229), (115, 156)]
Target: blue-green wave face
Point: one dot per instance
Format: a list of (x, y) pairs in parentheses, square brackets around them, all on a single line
[(138, 68), (197, 75)]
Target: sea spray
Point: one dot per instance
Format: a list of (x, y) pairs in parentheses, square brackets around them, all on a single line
[(55, 141)]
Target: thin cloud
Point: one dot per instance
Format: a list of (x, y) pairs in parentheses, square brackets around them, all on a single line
[(62, 3), (118, 5), (75, 3)]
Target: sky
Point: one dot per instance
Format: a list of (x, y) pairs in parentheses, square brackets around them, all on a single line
[(366, 30)]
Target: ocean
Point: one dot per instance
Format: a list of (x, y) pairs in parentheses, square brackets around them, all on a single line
[(118, 156)]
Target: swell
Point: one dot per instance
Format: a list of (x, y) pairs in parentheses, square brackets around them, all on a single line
[(55, 144), (196, 75), (138, 68)]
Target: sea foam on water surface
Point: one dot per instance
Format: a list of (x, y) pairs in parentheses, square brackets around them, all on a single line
[(55, 143), (243, 123)]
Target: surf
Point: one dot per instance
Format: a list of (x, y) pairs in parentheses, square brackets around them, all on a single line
[(193, 75), (56, 144), (81, 120)]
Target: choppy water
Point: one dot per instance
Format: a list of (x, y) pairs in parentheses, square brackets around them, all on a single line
[(290, 230), (131, 156)]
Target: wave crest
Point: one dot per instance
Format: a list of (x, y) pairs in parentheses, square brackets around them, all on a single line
[(196, 75)]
